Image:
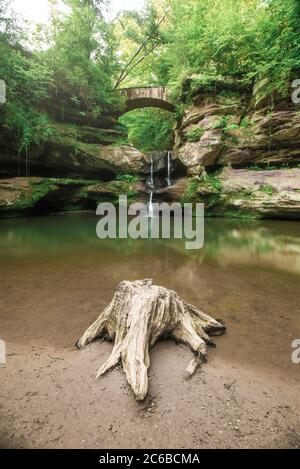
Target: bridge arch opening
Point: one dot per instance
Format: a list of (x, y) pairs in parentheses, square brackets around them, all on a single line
[(148, 128)]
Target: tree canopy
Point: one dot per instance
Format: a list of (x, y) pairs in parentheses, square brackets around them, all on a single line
[(79, 58)]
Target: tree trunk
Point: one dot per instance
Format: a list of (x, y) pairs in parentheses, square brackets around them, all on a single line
[(141, 313)]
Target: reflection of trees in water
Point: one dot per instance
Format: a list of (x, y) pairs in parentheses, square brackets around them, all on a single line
[(44, 235), (263, 250), (266, 244), (271, 244)]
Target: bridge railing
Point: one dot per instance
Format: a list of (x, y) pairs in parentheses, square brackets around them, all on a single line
[(157, 92)]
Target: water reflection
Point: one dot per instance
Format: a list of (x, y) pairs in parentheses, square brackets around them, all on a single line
[(56, 274), (265, 244)]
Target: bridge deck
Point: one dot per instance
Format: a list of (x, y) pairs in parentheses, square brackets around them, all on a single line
[(158, 92), (147, 96)]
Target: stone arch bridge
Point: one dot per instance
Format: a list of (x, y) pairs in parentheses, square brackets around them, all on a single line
[(146, 96)]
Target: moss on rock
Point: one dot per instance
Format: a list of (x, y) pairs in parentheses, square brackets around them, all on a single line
[(247, 194), (23, 196)]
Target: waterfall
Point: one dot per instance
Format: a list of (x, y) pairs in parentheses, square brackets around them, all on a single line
[(150, 207), (169, 168)]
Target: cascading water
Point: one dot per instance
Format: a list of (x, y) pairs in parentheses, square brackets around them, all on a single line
[(168, 179), (169, 168), (150, 206)]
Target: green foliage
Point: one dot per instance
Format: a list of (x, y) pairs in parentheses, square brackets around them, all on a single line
[(222, 122), (122, 187), (232, 127), (77, 64), (228, 128), (195, 134), (30, 126), (120, 140), (214, 182), (245, 123), (267, 189), (27, 82), (255, 167), (149, 129), (206, 188), (212, 46), (238, 40), (127, 178), (190, 194), (218, 46), (139, 36), (271, 167), (82, 56)]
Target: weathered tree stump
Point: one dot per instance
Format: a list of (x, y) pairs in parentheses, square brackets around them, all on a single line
[(141, 313)]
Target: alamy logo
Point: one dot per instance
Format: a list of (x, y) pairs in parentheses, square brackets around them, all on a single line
[(2, 92), (153, 221), (296, 353), (2, 353), (296, 93)]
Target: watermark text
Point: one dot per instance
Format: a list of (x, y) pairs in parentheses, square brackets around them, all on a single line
[(2, 353), (296, 352), (296, 93), (153, 221)]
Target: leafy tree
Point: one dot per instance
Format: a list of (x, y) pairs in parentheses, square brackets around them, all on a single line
[(141, 38), (27, 83), (73, 62), (82, 56), (240, 39), (149, 129)]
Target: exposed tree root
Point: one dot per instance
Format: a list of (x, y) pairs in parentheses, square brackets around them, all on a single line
[(141, 313)]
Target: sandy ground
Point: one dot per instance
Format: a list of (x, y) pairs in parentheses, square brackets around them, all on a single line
[(50, 399)]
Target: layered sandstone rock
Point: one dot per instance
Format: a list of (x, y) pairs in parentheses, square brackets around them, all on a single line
[(72, 152), (34, 196), (247, 193), (235, 130)]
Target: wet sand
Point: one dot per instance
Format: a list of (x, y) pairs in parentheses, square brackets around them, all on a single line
[(246, 395)]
